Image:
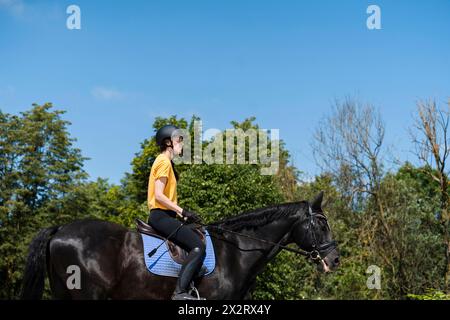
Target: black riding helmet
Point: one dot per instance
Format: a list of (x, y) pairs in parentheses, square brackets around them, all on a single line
[(166, 132)]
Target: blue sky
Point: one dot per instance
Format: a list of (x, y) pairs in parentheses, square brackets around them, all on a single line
[(284, 62)]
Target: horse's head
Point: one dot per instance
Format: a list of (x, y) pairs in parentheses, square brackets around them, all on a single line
[(312, 233)]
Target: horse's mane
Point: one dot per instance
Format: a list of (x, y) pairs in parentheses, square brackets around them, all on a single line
[(261, 216)]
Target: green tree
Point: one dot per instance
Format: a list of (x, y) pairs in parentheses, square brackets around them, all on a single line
[(38, 165)]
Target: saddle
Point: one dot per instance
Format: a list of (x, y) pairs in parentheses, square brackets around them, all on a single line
[(178, 254)]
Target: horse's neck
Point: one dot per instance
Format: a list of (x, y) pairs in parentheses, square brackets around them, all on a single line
[(274, 232), (258, 253)]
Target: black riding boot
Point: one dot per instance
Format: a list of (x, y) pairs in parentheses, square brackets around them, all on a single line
[(191, 266)]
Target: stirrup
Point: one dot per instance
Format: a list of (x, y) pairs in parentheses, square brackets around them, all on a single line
[(189, 295), (194, 289), (186, 296), (183, 296)]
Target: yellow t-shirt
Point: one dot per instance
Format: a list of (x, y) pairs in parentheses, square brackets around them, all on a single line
[(162, 167)]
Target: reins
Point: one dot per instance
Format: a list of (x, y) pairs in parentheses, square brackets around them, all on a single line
[(301, 251), (314, 254)]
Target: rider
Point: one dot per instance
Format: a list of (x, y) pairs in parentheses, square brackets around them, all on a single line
[(162, 202)]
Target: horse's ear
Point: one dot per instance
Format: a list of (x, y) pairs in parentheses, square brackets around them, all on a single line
[(325, 203), (316, 204)]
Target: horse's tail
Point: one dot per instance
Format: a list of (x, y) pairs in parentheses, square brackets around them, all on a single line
[(34, 277)]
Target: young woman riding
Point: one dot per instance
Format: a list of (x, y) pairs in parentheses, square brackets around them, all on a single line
[(164, 210)]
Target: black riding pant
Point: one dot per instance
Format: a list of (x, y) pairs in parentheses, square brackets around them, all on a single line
[(165, 222)]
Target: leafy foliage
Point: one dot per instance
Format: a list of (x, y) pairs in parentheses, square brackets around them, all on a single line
[(431, 294), (39, 167)]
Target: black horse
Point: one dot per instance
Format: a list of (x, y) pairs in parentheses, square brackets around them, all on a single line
[(111, 262)]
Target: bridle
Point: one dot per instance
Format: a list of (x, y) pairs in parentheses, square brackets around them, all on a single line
[(318, 251)]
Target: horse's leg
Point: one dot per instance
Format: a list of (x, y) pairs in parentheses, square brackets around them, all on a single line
[(248, 294), (58, 287)]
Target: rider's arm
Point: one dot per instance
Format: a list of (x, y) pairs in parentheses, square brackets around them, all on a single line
[(160, 184)]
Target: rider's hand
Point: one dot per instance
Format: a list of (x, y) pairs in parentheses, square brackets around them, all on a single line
[(190, 217)]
